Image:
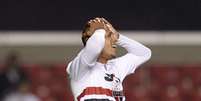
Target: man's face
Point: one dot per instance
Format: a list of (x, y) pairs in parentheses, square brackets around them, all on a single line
[(109, 50)]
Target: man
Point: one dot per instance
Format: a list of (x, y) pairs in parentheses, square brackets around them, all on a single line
[(22, 93), (11, 75), (95, 73)]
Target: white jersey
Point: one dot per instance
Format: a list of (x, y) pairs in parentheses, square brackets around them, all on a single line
[(94, 81)]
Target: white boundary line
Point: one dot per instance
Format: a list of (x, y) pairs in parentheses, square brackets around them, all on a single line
[(36, 38)]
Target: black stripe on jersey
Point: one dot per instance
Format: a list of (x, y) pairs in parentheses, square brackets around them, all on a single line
[(97, 100)]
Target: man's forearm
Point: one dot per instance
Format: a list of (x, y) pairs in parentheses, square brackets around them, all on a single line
[(94, 46), (133, 46)]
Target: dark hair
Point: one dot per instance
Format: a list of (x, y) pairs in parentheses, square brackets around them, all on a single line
[(85, 30)]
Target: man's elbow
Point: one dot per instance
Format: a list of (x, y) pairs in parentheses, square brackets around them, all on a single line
[(148, 54)]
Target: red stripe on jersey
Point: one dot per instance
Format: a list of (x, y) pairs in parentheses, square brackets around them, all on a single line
[(116, 98), (95, 90)]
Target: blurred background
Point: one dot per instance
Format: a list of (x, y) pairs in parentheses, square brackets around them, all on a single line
[(39, 37)]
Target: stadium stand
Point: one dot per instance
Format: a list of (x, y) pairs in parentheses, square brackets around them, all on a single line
[(149, 83)]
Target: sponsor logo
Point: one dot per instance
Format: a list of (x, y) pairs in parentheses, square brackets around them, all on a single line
[(111, 77)]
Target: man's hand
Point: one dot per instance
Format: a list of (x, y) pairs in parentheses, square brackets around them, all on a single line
[(110, 29), (93, 25), (90, 28), (98, 23)]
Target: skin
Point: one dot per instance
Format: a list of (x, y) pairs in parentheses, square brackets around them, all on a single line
[(109, 51), (111, 37)]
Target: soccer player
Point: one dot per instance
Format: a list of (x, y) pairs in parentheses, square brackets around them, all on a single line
[(96, 74)]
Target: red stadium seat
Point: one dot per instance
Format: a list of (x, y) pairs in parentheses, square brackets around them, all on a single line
[(42, 75), (42, 91), (193, 72), (171, 93), (197, 94), (186, 87), (60, 70), (139, 93), (165, 74), (154, 89), (137, 78)]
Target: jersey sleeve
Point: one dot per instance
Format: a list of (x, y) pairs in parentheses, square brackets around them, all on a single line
[(87, 57), (137, 55)]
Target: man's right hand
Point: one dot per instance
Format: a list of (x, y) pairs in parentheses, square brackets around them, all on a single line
[(99, 23), (94, 24), (110, 29)]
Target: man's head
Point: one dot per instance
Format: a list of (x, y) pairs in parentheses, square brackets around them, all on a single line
[(109, 50), (90, 28), (85, 33), (111, 36)]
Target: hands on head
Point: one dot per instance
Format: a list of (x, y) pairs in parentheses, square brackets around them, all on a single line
[(98, 23)]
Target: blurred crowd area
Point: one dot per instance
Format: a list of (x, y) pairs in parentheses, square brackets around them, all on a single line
[(49, 82), (32, 82)]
